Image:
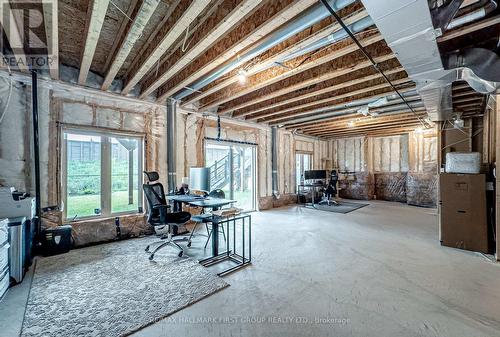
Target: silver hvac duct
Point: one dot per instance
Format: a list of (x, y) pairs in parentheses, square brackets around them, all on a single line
[(352, 107), (415, 45), (379, 111), (309, 17), (171, 146), (274, 162)]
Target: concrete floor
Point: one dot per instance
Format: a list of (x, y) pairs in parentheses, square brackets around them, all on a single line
[(378, 271)]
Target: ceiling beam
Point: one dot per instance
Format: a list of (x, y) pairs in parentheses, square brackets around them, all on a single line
[(231, 20), (383, 133), (291, 10), (187, 17), (117, 42), (140, 21), (94, 24), (355, 130), (452, 34), (304, 84), (13, 35), (362, 121), (264, 116), (271, 61), (337, 119), (51, 23), (308, 116), (335, 87), (309, 65)]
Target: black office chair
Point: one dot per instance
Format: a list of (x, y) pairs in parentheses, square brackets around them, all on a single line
[(206, 218), (159, 217), (331, 190)]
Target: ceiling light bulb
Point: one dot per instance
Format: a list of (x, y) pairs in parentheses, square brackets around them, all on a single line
[(242, 76), (350, 124)]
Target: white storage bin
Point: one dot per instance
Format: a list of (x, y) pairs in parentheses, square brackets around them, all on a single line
[(4, 232), (4, 281), (4, 256), (463, 162)]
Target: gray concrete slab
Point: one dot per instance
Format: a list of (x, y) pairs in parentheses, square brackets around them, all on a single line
[(378, 271)]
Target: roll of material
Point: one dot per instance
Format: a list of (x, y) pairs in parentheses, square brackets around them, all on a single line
[(463, 162)]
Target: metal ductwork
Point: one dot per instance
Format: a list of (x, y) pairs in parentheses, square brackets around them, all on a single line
[(274, 162), (415, 45), (309, 17), (171, 146)]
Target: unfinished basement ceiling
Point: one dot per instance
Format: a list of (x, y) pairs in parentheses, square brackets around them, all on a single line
[(279, 62)]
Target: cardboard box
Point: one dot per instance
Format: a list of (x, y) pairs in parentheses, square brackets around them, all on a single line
[(463, 211)]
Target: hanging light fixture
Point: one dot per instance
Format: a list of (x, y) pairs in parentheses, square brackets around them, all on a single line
[(242, 76)]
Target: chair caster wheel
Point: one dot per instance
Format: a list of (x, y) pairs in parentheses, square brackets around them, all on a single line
[(151, 257), (180, 254), (189, 244), (147, 249)]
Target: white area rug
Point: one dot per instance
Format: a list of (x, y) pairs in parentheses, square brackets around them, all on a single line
[(112, 290)]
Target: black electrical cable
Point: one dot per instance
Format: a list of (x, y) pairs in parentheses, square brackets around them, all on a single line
[(368, 56)]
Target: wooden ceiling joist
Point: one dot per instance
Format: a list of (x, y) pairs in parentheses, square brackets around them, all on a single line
[(381, 133), (264, 116), (232, 19), (326, 90), (362, 122), (51, 30), (324, 77), (13, 35), (358, 131), (309, 65), (338, 119), (97, 12), (292, 9), (142, 18), (469, 29), (179, 27), (271, 61)]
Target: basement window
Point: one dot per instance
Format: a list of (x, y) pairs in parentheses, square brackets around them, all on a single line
[(101, 174)]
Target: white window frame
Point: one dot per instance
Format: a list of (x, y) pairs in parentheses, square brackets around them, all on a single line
[(105, 167)]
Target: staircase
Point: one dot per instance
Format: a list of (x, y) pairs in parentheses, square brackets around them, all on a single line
[(219, 172)]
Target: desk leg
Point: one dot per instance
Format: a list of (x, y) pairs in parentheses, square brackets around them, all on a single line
[(215, 238)]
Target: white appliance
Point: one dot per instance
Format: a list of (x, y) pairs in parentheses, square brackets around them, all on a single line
[(12, 208)]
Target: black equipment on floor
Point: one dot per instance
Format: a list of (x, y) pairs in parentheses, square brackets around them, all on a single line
[(315, 175), (56, 240), (331, 190), (159, 217)]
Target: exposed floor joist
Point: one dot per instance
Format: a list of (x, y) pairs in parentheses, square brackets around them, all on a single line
[(273, 23), (269, 62), (145, 12), (97, 9), (229, 22), (309, 65), (179, 27), (469, 29), (325, 77), (316, 105)]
